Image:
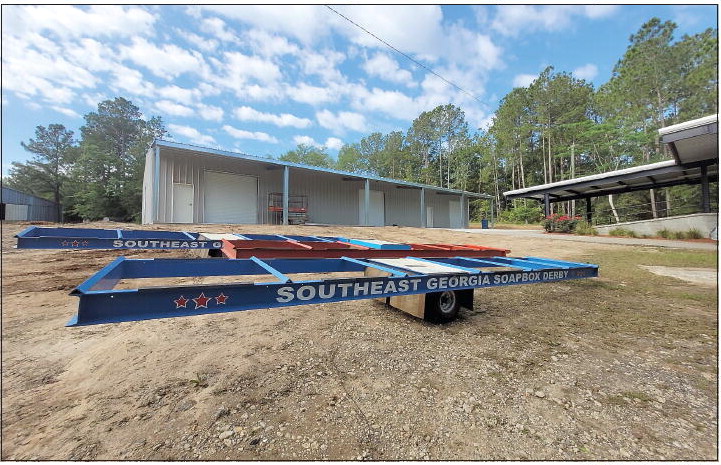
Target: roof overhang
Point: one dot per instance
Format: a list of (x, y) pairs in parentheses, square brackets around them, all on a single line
[(656, 175), (274, 163), (692, 141)]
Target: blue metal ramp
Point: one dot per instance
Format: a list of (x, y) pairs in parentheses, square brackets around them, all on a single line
[(100, 302)]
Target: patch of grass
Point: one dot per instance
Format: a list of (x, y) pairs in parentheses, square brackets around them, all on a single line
[(665, 233), (199, 381), (584, 228), (692, 233), (622, 232)]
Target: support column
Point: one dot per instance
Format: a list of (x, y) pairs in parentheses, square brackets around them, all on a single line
[(546, 204), (367, 203), (589, 210), (464, 211), (705, 191), (423, 207), (155, 210), (493, 201), (286, 193)]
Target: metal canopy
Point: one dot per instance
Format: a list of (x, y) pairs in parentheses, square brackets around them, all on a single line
[(656, 175), (694, 145), (692, 141)]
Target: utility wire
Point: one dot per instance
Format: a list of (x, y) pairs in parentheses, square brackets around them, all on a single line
[(404, 54)]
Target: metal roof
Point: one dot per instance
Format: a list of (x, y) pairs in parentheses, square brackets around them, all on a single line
[(198, 150), (656, 175), (694, 145), (692, 141)]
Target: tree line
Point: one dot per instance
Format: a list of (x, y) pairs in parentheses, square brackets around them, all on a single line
[(557, 128)]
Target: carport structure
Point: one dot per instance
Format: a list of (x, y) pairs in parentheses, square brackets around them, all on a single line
[(694, 145)]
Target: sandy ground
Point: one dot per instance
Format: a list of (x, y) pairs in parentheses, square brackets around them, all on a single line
[(620, 367)]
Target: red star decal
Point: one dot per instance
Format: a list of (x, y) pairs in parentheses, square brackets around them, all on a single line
[(64, 243), (220, 300), (201, 301), (85, 242), (75, 243), (181, 302)]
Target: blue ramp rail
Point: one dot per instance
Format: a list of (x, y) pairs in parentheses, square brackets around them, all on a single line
[(36, 237), (100, 302)]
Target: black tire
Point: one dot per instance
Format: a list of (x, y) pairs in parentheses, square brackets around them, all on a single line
[(442, 307)]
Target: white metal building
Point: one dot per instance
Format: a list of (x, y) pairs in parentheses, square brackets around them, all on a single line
[(188, 184)]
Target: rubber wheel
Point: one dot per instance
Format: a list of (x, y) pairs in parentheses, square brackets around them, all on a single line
[(442, 307)]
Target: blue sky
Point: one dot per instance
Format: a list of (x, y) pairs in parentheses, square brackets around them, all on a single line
[(262, 79)]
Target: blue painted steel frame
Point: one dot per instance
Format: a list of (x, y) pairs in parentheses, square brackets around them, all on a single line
[(36, 237), (101, 303)]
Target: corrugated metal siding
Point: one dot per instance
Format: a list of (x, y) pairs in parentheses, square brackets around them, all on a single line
[(331, 199), (38, 209)]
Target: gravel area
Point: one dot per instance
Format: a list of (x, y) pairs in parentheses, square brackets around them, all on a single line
[(620, 367)]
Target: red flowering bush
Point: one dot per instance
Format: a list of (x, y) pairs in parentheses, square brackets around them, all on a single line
[(560, 223)]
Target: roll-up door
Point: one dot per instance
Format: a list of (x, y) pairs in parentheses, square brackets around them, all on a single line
[(230, 198)]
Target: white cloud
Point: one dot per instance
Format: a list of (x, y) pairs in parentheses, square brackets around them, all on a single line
[(205, 44), (216, 27), (237, 71), (210, 112), (307, 23), (587, 72), (524, 80), (323, 64), (414, 29), (333, 143), (167, 61), (177, 94), (192, 134), (312, 95), (245, 113), (173, 109), (70, 21), (599, 11), (242, 134), (131, 80), (511, 20), (341, 121), (66, 111), (384, 67), (306, 140), (270, 45), (390, 102)]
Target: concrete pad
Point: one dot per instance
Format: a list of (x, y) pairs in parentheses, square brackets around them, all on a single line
[(702, 276)]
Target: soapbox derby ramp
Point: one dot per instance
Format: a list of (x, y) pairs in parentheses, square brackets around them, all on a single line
[(443, 284)]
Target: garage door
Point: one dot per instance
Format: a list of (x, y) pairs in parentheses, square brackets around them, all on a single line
[(230, 198)]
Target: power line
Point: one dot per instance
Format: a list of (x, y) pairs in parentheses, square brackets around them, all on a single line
[(404, 54)]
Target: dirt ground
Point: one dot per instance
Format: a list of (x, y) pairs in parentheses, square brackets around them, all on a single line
[(620, 367)]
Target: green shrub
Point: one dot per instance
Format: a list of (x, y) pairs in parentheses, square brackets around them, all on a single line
[(522, 214), (560, 223), (584, 228), (694, 233), (622, 232)]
